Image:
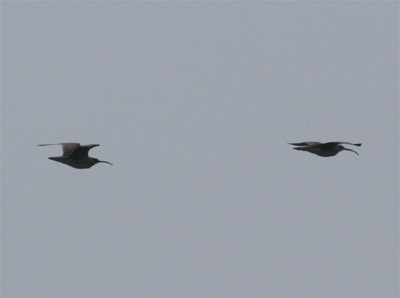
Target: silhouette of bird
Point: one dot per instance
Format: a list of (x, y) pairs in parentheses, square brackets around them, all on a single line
[(76, 156), (324, 149)]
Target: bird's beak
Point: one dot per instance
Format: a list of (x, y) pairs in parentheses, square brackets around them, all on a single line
[(106, 162), (350, 150)]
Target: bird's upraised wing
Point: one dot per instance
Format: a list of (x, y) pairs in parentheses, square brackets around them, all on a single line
[(308, 144), (68, 148), (358, 144)]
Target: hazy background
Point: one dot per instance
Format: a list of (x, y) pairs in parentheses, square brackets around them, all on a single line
[(194, 103)]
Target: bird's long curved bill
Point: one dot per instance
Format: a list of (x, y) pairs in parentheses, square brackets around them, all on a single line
[(106, 162), (351, 150)]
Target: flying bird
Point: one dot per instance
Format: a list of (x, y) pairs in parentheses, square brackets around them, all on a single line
[(324, 149), (76, 155)]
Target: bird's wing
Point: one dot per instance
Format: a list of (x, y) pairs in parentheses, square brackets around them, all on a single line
[(68, 148), (90, 146), (308, 144), (358, 144), (82, 151)]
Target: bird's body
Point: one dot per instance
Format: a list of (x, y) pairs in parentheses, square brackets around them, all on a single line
[(324, 149), (76, 155)]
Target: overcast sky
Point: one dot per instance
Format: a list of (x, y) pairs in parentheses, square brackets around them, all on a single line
[(194, 103)]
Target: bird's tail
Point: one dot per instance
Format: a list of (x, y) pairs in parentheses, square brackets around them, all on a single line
[(301, 148)]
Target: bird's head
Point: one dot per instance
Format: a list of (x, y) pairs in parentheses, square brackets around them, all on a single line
[(347, 149), (96, 161)]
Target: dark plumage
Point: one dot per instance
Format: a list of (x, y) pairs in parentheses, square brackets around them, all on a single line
[(76, 156), (324, 149)]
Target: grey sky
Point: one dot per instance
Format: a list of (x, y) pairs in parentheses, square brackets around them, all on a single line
[(194, 103)]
